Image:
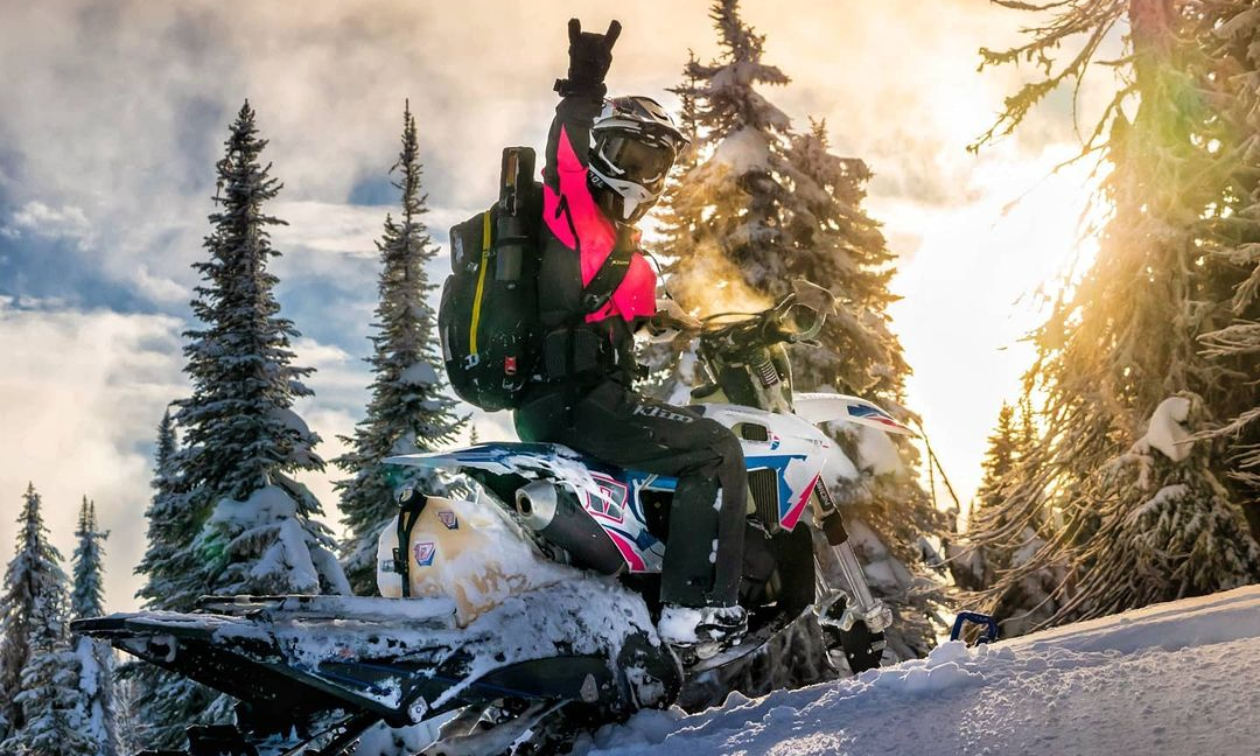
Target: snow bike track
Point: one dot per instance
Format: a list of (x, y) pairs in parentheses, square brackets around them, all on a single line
[(1179, 678)]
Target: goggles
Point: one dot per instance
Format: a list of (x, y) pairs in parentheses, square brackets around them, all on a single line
[(637, 160)]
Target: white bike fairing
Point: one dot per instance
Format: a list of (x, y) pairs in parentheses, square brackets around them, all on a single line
[(791, 446)]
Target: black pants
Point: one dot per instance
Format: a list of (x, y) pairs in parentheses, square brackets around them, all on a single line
[(610, 422)]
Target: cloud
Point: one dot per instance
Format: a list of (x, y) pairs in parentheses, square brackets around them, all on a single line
[(38, 219), (341, 379), (159, 288), (81, 394), (119, 108), (329, 227)]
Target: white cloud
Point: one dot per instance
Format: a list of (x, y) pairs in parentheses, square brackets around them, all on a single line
[(328, 227), (160, 288), (81, 394), (37, 219), (340, 378)]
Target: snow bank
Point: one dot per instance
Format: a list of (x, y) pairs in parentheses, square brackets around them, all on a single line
[(1176, 678)]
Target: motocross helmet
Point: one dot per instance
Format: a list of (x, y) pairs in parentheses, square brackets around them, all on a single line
[(633, 145)]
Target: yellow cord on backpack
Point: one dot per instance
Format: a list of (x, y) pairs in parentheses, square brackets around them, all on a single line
[(481, 283)]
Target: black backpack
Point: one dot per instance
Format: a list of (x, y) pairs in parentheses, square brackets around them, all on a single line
[(488, 316)]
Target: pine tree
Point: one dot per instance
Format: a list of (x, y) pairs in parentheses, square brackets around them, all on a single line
[(999, 460), (162, 704), (1125, 339), (127, 716), (40, 671), (723, 212), (228, 519), (169, 562), (998, 541), (833, 240), (409, 411), (1233, 337), (241, 436), (87, 597), (28, 572), (756, 206), (972, 566), (95, 659), (1174, 533)]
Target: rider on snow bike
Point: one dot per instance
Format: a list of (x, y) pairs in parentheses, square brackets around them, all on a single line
[(606, 166)]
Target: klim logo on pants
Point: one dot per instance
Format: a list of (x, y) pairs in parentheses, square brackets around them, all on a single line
[(660, 413)]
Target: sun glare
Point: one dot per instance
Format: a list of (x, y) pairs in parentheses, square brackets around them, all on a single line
[(976, 286)]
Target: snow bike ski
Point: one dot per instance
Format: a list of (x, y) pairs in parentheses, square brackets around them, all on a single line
[(528, 613)]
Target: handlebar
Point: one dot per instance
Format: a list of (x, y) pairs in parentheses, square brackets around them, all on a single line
[(796, 318)]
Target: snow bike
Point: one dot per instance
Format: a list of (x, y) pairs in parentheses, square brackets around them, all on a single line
[(527, 613)]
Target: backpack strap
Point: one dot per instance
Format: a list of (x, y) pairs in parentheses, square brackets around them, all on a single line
[(486, 239), (409, 510), (606, 280)]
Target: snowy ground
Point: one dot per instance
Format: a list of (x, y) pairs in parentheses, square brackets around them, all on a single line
[(1180, 679)]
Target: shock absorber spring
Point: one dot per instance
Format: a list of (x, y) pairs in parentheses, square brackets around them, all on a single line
[(768, 373)]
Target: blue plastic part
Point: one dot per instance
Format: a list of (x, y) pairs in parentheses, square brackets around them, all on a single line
[(976, 618)]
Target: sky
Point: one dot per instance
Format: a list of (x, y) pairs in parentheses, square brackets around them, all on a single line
[(113, 113)]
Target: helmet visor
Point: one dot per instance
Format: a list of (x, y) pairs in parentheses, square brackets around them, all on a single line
[(635, 160)]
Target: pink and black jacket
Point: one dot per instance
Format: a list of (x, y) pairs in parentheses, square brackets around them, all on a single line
[(576, 237)]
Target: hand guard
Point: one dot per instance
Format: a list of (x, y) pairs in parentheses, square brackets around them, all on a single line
[(671, 321), (590, 55)]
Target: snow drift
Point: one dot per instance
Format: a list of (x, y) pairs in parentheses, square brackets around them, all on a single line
[(1177, 678)]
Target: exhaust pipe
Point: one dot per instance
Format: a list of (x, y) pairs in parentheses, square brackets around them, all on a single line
[(556, 515), (536, 503)]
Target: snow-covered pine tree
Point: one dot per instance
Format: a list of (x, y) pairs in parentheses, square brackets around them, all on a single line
[(259, 532), (170, 563), (997, 542), (96, 659), (40, 678), (227, 518), (1124, 338), (160, 703), (760, 207), (87, 595), (973, 566), (409, 411), (1175, 532), (127, 718), (1235, 246), (834, 241), (34, 565)]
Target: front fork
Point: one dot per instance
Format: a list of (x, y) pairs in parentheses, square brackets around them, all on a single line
[(861, 605)]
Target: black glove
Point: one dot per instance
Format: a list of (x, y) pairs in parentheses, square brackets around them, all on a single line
[(590, 55)]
